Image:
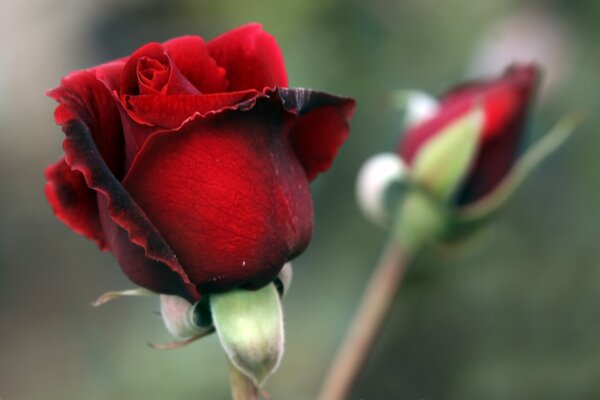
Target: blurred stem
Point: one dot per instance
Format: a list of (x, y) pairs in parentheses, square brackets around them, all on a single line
[(367, 323), (242, 387)]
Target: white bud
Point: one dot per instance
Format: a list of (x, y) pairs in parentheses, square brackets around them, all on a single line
[(285, 278), (178, 315), (375, 177)]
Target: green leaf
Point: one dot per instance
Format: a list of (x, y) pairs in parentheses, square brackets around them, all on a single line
[(443, 161), (250, 328)]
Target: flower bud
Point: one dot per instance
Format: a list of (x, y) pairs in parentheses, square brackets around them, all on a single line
[(182, 319), (460, 161), (374, 184)]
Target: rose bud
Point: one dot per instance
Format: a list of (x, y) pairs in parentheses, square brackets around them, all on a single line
[(458, 160), (191, 161)]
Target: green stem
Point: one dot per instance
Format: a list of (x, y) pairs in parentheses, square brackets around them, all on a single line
[(366, 324), (242, 387)]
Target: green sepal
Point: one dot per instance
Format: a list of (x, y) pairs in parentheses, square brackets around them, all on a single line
[(444, 160), (249, 324), (422, 220), (109, 296)]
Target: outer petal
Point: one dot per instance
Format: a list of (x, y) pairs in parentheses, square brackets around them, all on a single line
[(192, 58), (506, 103), (251, 57), (323, 125), (229, 195), (81, 96), (172, 111), (82, 155), (73, 202)]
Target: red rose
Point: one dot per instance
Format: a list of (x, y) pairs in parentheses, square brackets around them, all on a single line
[(505, 104), (191, 161)]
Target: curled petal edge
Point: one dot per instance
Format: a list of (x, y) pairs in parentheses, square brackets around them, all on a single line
[(82, 155)]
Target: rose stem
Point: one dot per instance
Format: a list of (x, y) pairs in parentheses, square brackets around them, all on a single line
[(242, 387), (366, 324)]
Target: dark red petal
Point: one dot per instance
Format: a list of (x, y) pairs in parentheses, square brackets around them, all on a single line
[(228, 194), (142, 270), (503, 99), (192, 58), (81, 96), (172, 111), (506, 104), (82, 155), (73, 202), (251, 58), (322, 127)]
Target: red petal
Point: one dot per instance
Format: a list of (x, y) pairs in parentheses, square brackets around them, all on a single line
[(172, 111), (228, 195), (82, 155), (73, 202), (322, 127), (132, 82), (192, 58), (506, 103), (251, 58), (81, 96)]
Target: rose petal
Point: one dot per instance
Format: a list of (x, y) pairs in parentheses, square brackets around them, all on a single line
[(506, 104), (81, 96), (73, 202), (133, 81), (192, 58), (141, 269), (229, 195), (82, 155), (323, 126), (251, 58), (172, 111)]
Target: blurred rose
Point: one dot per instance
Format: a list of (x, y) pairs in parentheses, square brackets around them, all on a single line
[(190, 161), (504, 104)]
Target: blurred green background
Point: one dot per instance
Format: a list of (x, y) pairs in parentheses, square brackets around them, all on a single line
[(513, 316)]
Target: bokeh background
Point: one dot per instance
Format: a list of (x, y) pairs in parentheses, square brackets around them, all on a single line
[(514, 315)]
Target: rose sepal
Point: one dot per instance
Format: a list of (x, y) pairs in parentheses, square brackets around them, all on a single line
[(249, 324)]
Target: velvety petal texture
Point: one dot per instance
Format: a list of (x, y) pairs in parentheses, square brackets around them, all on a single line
[(505, 102), (191, 161)]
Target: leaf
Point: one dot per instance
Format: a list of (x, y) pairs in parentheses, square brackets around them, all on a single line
[(109, 296)]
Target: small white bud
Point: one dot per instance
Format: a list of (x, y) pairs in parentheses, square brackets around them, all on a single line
[(178, 315), (285, 278), (375, 177)]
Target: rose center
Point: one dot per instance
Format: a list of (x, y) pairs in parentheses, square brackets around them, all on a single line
[(153, 75)]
